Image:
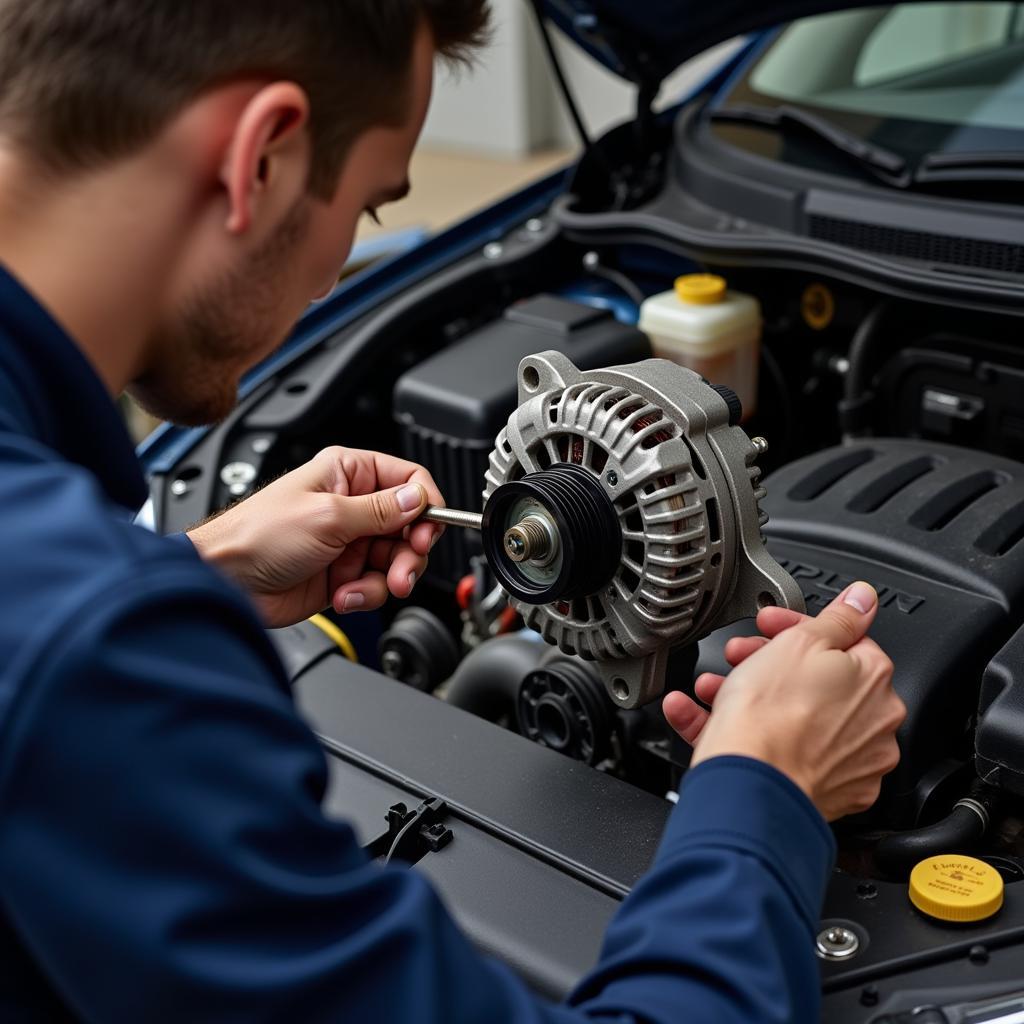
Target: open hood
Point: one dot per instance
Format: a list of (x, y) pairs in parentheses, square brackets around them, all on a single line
[(646, 40)]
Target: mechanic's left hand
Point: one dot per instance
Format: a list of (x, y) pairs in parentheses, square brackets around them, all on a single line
[(333, 532), (684, 714)]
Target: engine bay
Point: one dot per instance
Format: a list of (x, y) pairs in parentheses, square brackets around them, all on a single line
[(886, 427)]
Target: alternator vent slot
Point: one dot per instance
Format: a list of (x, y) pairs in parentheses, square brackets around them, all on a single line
[(821, 478), (714, 522), (696, 460)]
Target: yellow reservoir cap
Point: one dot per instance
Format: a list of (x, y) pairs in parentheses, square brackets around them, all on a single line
[(956, 888), (701, 289)]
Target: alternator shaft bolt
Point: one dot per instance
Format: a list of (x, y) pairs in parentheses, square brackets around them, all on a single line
[(528, 541), (515, 545)]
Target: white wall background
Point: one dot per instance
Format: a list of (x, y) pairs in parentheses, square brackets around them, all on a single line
[(510, 106)]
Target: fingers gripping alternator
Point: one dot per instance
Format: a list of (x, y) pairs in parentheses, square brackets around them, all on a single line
[(622, 517)]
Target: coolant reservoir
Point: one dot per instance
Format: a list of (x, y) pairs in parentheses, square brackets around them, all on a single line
[(710, 329)]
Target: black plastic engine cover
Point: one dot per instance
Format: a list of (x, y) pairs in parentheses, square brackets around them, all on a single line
[(937, 530), (545, 848), (999, 741)]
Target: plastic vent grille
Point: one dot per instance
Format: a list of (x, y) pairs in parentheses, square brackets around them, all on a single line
[(458, 467), (996, 257), (934, 491)]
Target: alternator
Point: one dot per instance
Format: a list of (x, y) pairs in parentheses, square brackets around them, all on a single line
[(622, 516)]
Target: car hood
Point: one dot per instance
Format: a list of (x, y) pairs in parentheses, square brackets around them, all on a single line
[(645, 40)]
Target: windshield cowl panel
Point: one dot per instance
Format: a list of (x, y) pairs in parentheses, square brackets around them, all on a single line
[(936, 88)]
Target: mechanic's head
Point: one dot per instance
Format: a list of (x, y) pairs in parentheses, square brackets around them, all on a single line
[(242, 138)]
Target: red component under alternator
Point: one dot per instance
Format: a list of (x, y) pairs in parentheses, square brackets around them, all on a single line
[(464, 592)]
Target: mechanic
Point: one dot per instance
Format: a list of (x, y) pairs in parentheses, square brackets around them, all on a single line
[(178, 178)]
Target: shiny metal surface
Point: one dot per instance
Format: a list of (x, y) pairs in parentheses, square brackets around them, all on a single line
[(452, 517)]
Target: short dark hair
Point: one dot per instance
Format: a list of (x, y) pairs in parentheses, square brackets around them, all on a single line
[(83, 82)]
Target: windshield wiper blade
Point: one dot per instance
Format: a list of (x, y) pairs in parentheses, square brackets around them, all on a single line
[(979, 167), (883, 163)]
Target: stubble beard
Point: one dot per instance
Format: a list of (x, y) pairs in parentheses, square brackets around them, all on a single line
[(222, 331)]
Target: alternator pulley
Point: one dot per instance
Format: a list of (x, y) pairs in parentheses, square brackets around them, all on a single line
[(552, 536)]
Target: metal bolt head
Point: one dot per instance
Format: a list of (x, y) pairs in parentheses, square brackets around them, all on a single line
[(261, 445), (837, 943), (494, 251), (591, 261), (529, 541), (392, 663), (612, 477), (535, 225), (760, 445), (515, 545), (179, 488), (867, 890), (238, 473)]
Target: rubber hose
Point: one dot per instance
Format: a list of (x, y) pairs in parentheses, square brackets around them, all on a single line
[(857, 397), (486, 684), (959, 832)]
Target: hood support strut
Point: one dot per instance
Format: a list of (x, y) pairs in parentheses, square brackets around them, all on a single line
[(648, 88), (566, 89)]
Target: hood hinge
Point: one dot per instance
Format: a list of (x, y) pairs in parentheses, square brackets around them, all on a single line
[(638, 68)]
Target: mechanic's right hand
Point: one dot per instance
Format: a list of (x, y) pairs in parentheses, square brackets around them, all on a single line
[(813, 698), (341, 530)]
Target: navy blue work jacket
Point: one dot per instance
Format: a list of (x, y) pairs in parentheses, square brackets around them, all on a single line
[(163, 854)]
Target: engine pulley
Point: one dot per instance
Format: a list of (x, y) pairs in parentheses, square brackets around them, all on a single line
[(562, 705), (622, 516)]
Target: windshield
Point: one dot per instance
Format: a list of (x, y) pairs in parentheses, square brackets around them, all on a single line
[(915, 78)]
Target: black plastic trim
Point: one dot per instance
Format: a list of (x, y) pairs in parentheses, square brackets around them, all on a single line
[(593, 827)]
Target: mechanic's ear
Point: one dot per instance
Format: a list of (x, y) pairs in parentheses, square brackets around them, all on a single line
[(266, 169)]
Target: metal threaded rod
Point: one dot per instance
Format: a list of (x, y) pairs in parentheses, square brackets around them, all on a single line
[(528, 541), (452, 517)]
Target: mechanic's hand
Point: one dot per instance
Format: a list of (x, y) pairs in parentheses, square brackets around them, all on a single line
[(333, 532), (813, 698)]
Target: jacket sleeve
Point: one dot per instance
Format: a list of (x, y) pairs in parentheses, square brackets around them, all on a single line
[(164, 857)]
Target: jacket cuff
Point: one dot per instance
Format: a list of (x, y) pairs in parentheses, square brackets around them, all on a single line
[(183, 543), (746, 805)]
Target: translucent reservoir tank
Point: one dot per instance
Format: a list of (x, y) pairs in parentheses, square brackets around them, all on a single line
[(703, 325)]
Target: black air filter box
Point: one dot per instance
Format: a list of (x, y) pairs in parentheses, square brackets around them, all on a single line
[(452, 406)]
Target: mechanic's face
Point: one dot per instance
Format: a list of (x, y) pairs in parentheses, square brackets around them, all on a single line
[(227, 324)]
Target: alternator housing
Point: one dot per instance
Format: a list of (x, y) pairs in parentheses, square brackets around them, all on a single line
[(686, 488)]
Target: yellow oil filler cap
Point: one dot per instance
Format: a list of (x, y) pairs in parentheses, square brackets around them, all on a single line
[(956, 888), (701, 289)]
